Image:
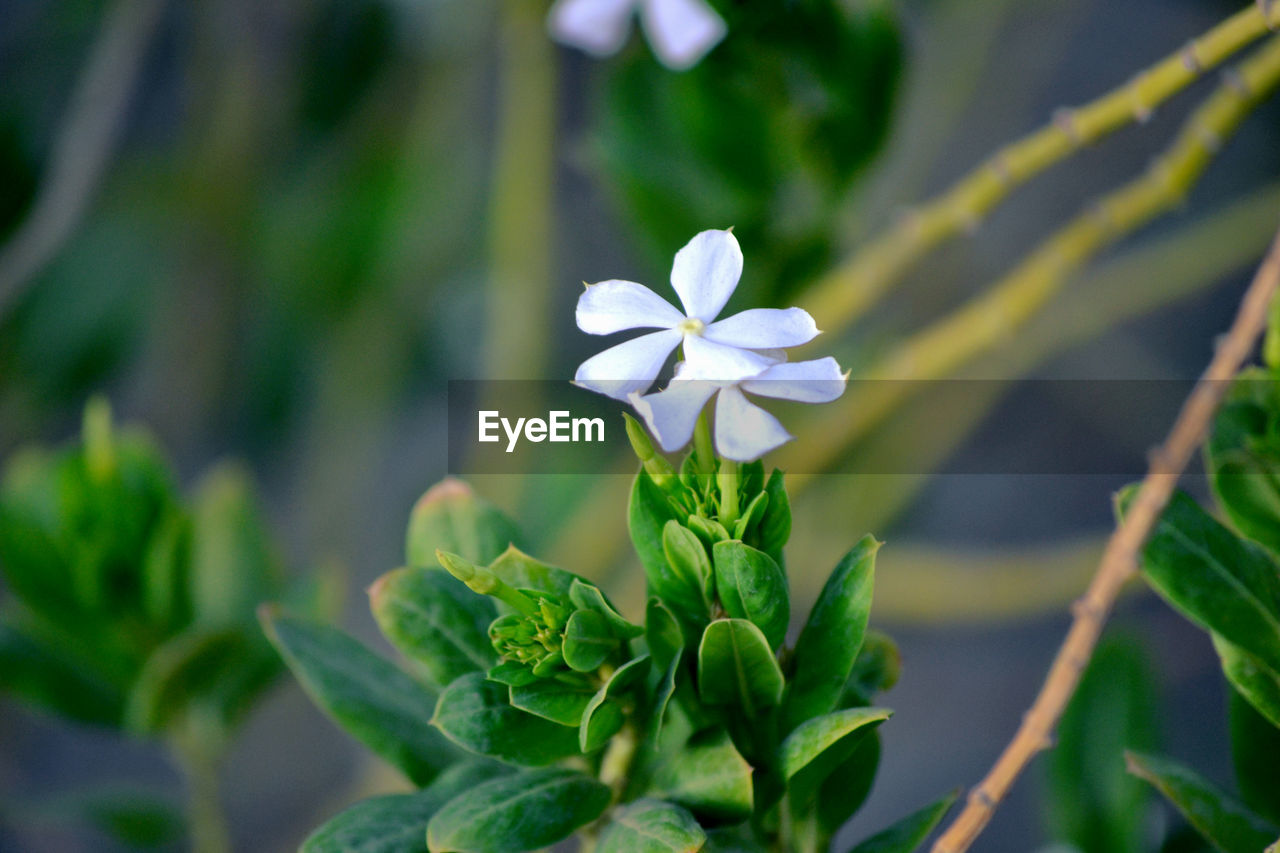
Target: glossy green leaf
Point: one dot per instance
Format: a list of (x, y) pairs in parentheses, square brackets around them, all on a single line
[(1253, 679), (233, 566), (368, 696), (604, 714), (811, 752), (524, 811), (751, 516), (396, 823), (828, 646), (662, 698), (451, 517), (1227, 824), (908, 834), (524, 572), (588, 641), (1216, 579), (662, 632), (652, 826), (708, 776), (1242, 457), (686, 581), (848, 785), (1094, 804), (775, 525), (1255, 754), (511, 673), (477, 715), (752, 586), (648, 510), (435, 621), (736, 667), (587, 596), (552, 700)]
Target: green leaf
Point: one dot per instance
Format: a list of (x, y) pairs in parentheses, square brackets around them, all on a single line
[(1241, 457), (1251, 677), (811, 752), (775, 525), (396, 823), (233, 566), (552, 700), (686, 580), (524, 811), (1255, 752), (604, 714), (587, 596), (524, 572), (662, 698), (477, 715), (848, 785), (368, 696), (652, 826), (752, 586), (828, 646), (1227, 824), (588, 642), (1216, 579), (736, 667), (451, 517), (648, 511), (41, 676), (662, 632), (909, 833), (876, 669), (708, 776), (165, 568), (435, 621), (1095, 805)]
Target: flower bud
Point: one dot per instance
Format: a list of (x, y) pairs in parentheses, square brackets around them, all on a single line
[(656, 465)]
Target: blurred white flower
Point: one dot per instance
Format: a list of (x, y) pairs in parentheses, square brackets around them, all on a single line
[(704, 275), (680, 31), (743, 430)]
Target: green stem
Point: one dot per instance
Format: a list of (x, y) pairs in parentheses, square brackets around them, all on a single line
[(727, 479), (704, 454), (207, 823)]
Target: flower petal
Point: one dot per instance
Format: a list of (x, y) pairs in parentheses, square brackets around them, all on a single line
[(612, 306), (764, 328), (818, 381), (598, 27), (704, 359), (628, 367), (672, 414), (705, 273), (681, 31), (744, 431)]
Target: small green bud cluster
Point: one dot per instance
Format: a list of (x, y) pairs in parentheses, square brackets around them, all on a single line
[(534, 639)]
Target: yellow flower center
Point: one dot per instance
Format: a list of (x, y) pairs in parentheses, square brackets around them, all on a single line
[(692, 326)]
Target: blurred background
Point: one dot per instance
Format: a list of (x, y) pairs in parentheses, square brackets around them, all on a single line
[(274, 230)]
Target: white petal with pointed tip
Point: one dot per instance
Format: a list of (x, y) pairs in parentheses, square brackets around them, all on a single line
[(612, 306), (672, 414), (704, 359), (599, 27), (706, 272), (744, 431), (628, 367), (764, 328), (681, 31), (818, 381)]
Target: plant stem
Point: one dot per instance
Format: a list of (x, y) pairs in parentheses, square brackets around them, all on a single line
[(703, 450), (989, 319), (727, 479), (841, 296), (1120, 559), (207, 822)]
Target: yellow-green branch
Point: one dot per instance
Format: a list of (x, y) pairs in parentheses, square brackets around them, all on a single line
[(942, 348), (842, 295)]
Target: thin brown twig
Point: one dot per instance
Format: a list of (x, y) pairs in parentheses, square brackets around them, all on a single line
[(1120, 559)]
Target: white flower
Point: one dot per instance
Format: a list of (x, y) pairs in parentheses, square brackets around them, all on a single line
[(680, 31), (704, 276), (743, 430)]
